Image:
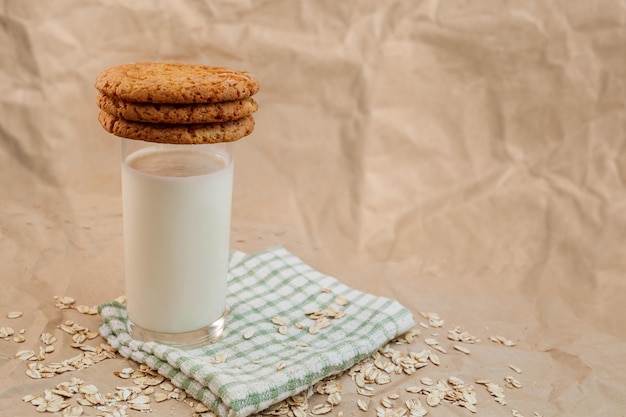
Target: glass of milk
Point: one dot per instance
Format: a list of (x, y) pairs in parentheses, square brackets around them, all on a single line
[(176, 210)]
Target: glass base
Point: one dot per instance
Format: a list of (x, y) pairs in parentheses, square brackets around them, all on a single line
[(188, 340)]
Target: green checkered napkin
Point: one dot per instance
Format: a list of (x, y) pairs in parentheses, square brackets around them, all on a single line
[(262, 286)]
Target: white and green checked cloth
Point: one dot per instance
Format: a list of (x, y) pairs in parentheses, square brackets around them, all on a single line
[(262, 286)]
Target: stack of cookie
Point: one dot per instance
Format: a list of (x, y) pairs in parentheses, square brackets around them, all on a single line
[(176, 103)]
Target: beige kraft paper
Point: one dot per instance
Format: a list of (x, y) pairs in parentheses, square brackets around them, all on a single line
[(465, 158)]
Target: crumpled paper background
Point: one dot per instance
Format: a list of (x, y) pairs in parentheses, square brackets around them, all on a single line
[(465, 158)]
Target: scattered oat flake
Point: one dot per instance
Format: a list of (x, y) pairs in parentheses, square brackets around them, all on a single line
[(433, 399), (6, 331), (430, 341), (73, 411), (461, 349), (516, 413), (434, 320), (25, 354), (280, 321), (166, 386), (362, 405), (495, 390), (122, 374), (248, 334), (515, 368), (469, 406), (386, 402), (511, 382), (439, 348), (28, 398), (455, 381), (502, 340), (415, 408), (219, 358), (160, 397), (47, 338), (84, 309), (201, 408), (66, 300), (88, 389), (281, 365), (383, 378), (334, 398), (14, 315), (427, 381), (342, 301), (140, 407), (33, 373), (321, 409), (458, 335), (141, 399), (364, 392)]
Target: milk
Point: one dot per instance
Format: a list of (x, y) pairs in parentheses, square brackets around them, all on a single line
[(176, 209)]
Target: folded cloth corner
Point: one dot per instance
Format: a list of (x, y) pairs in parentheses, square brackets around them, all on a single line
[(256, 372)]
